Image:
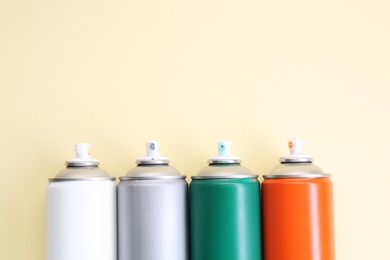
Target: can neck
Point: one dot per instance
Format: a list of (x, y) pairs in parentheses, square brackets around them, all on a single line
[(295, 160), (81, 167), (141, 163), (224, 163)]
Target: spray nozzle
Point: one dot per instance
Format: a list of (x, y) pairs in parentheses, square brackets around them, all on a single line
[(224, 154), (296, 152), (153, 154), (295, 146), (224, 148), (153, 149), (83, 158), (82, 151)]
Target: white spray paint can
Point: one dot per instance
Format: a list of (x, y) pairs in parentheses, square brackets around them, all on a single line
[(152, 210), (81, 211)]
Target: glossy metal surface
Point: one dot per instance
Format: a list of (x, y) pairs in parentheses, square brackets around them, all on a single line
[(81, 220), (298, 219), (225, 219), (152, 218)]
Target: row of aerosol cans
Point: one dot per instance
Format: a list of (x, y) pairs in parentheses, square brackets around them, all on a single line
[(223, 215)]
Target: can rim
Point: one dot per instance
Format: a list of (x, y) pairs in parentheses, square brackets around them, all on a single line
[(82, 179), (297, 175), (296, 160), (224, 161), (226, 177), (128, 178), (81, 163), (141, 162)]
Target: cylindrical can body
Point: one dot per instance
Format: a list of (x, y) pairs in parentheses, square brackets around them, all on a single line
[(298, 219), (152, 218), (81, 220), (225, 219)]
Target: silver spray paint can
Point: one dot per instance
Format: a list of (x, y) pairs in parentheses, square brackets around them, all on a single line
[(81, 211), (152, 210)]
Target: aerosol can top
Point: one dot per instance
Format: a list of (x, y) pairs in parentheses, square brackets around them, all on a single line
[(297, 164), (153, 166), (224, 165), (83, 158), (81, 168), (153, 155)]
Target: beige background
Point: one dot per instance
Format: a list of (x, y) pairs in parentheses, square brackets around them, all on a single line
[(189, 73)]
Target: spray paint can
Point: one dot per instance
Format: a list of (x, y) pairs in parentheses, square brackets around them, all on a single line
[(298, 209), (225, 210), (81, 211), (152, 210)]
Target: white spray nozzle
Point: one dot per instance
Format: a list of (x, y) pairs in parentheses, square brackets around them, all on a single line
[(295, 146), (296, 152), (82, 151), (153, 149), (224, 155), (83, 158), (224, 148), (153, 154)]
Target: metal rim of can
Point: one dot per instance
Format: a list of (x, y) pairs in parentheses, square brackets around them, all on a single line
[(152, 162), (81, 164), (82, 179), (226, 177), (295, 160), (130, 178), (223, 161), (297, 175)]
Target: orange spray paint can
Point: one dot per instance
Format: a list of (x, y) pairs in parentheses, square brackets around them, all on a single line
[(298, 209)]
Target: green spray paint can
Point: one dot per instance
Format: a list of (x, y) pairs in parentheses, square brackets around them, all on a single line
[(225, 207)]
